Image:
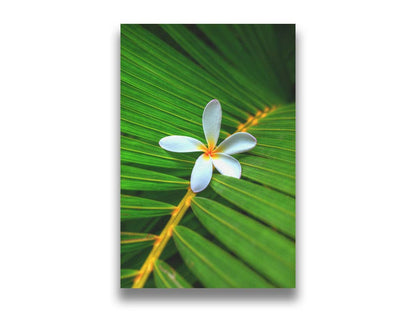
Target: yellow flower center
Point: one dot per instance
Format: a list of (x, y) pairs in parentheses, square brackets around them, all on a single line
[(210, 150)]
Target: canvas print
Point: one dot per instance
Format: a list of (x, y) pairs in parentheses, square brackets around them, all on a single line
[(208, 184)]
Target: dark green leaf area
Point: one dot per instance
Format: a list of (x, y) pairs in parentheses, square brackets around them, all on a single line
[(215, 65), (214, 267), (180, 267), (134, 242), (134, 260), (127, 276), (271, 254)]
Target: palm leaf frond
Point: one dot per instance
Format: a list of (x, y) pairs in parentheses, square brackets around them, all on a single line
[(238, 232)]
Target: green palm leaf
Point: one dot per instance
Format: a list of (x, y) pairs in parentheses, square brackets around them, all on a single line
[(239, 232), (140, 179), (133, 207), (273, 173), (277, 209), (250, 240), (166, 277), (131, 242), (212, 265)]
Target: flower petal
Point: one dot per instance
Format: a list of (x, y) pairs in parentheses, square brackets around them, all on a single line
[(237, 143), (201, 173), (181, 144), (227, 165), (211, 122)]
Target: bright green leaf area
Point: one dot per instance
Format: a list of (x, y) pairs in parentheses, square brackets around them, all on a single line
[(141, 179), (271, 207), (166, 277), (274, 133), (152, 128), (276, 136), (271, 254), (273, 173), (179, 80), (126, 273), (214, 267), (275, 154), (275, 143), (133, 207), (140, 152), (285, 124)]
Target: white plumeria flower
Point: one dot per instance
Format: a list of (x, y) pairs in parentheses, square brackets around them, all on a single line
[(219, 156)]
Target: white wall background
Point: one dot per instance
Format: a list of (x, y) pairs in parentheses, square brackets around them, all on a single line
[(59, 154)]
